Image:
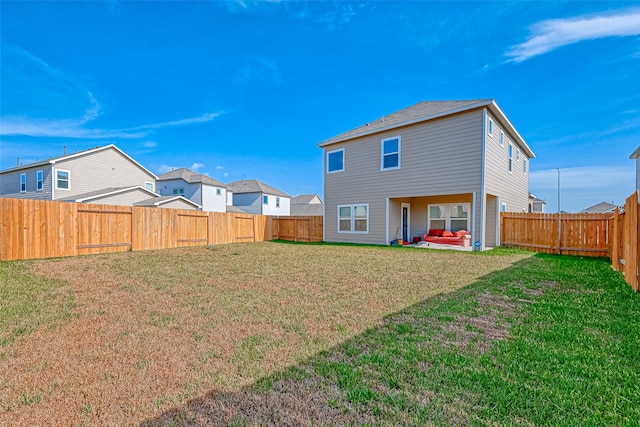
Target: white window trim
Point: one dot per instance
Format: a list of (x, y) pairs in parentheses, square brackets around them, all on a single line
[(524, 166), (40, 181), (153, 186), (343, 160), (277, 202), (352, 230), (490, 128), (447, 217), (68, 179), (503, 207), (399, 138), (517, 154), (218, 191), (501, 139), (23, 175)]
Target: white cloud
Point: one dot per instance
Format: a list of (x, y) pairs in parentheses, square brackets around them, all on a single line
[(57, 104), (225, 174), (149, 144), (219, 168), (75, 128), (554, 33), (194, 167)]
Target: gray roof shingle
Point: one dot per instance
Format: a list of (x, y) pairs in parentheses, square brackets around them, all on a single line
[(254, 186), (191, 177)]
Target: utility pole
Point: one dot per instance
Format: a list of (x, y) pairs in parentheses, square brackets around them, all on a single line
[(558, 189)]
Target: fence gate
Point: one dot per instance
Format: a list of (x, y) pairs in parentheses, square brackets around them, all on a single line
[(243, 229)]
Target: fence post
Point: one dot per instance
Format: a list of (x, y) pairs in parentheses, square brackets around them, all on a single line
[(559, 240)]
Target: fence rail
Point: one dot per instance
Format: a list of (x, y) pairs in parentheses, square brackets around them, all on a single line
[(32, 229), (564, 234)]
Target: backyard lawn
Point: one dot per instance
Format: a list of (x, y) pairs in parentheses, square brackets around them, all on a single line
[(314, 334)]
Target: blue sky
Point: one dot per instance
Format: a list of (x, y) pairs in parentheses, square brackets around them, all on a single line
[(243, 90)]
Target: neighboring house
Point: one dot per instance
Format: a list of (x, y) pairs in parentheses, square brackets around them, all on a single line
[(124, 196), (636, 155), (602, 207), (256, 197), (436, 165), (173, 202), (207, 192), (307, 205), (98, 175), (537, 205)]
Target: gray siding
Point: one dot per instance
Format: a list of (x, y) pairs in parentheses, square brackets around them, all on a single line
[(439, 157), (123, 199), (10, 183), (511, 187), (100, 169), (192, 192), (248, 202)]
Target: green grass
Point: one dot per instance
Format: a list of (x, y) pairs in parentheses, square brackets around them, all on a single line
[(549, 341), (28, 301)]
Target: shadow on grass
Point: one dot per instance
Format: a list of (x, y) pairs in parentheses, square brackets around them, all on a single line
[(545, 341)]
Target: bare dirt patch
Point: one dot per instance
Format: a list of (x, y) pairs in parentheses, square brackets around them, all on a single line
[(155, 330)]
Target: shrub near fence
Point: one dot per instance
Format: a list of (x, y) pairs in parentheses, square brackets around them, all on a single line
[(32, 229)]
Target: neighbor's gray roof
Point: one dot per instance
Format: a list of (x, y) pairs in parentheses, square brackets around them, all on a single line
[(190, 176), (304, 199), (254, 186), (635, 154), (160, 200), (602, 207), (103, 193), (234, 209), (428, 110), (315, 209)]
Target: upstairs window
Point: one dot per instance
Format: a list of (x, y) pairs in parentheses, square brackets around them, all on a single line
[(335, 161), (62, 180), (218, 192), (178, 191), (501, 139), (40, 180), (524, 166), (277, 202), (490, 127), (510, 157), (149, 185), (391, 153), (265, 200), (23, 182)]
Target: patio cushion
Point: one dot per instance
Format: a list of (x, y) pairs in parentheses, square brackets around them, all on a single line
[(447, 233)]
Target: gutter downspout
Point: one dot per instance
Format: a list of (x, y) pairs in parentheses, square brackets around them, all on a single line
[(483, 195)]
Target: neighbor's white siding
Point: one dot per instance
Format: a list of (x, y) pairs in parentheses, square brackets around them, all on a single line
[(211, 201), (439, 157), (271, 209)]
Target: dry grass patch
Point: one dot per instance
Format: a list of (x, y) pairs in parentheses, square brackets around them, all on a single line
[(154, 329)]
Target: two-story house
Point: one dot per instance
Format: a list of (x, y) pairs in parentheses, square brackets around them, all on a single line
[(256, 197), (435, 165), (207, 192), (98, 175)]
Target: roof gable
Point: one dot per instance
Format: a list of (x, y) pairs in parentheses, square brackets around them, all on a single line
[(66, 157), (191, 177), (255, 186), (425, 111)]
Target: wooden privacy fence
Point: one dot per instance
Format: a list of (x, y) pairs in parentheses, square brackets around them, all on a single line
[(299, 228), (563, 234), (624, 244), (32, 229)]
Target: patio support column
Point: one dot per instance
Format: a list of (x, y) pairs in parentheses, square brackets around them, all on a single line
[(386, 221)]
